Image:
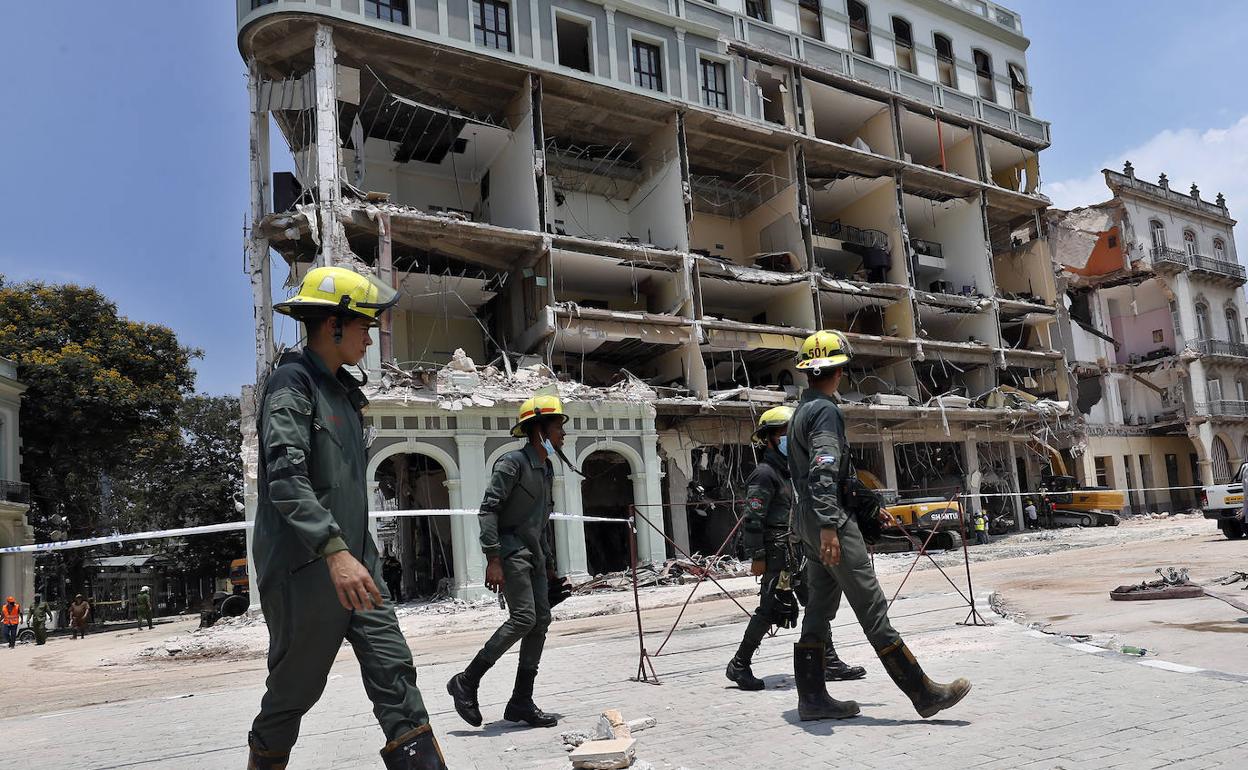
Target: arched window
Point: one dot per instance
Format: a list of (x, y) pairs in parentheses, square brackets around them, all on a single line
[(1221, 461), (859, 28), (1018, 86), (1158, 231), (945, 62), (1232, 325), (1219, 249), (1202, 321), (903, 44), (983, 74), (1189, 242)]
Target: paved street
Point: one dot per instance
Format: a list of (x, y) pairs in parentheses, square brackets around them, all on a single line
[(1038, 702)]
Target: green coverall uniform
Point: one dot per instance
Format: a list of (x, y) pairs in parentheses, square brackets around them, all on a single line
[(38, 620), (143, 606), (514, 515), (817, 450), (313, 502)]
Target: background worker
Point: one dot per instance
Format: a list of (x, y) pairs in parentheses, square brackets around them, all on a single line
[(1029, 510), (143, 607), (12, 618), (768, 539), (837, 559), (392, 572), (981, 528), (38, 619), (514, 516), (79, 614), (317, 565)]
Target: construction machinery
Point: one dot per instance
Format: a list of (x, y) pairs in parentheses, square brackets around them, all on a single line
[(1072, 505), (920, 517)]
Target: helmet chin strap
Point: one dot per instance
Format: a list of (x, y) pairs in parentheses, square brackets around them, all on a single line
[(541, 431)]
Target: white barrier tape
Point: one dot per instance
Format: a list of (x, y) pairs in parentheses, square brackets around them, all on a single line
[(232, 526), (1076, 489)]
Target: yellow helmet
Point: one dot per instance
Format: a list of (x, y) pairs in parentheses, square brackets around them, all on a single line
[(327, 290), (825, 349), (538, 406), (775, 417)]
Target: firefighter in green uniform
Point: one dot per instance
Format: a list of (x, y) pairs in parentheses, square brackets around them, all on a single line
[(838, 561), (143, 606), (514, 516), (38, 619), (768, 538), (317, 565)]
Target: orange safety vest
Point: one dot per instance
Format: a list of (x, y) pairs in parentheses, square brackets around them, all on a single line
[(12, 614)]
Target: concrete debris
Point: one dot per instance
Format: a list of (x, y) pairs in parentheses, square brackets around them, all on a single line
[(604, 755), (574, 738), (610, 725), (643, 723), (673, 572)]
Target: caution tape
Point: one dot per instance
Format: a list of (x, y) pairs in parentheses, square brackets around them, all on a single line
[(234, 526), (1076, 489)]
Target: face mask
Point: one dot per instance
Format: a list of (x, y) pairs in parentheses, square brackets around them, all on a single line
[(783, 445), (550, 448)]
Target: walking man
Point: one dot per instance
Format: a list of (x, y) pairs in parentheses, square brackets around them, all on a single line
[(317, 565), (38, 619), (837, 559), (143, 606), (514, 517), (12, 616), (79, 613), (769, 541)]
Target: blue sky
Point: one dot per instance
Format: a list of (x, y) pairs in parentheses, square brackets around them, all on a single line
[(125, 140)]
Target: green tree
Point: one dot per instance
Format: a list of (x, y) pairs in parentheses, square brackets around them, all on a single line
[(195, 481), (103, 394)]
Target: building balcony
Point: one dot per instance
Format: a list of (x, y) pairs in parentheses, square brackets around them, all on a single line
[(1165, 258), (1217, 268), (1224, 408), (709, 21), (1221, 348), (14, 492)]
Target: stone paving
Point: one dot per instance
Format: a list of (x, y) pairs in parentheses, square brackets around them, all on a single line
[(1038, 702)]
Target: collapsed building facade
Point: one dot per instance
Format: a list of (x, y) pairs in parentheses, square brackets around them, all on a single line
[(646, 206), (1156, 305)]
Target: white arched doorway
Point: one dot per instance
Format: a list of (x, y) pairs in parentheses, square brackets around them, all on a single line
[(606, 491), (1221, 461)]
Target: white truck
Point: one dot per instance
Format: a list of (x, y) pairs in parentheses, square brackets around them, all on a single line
[(1224, 503)]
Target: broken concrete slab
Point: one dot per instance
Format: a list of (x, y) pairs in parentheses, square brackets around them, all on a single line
[(604, 755)]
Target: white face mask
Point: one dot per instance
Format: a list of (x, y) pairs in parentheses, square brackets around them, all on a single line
[(783, 445), (549, 447)]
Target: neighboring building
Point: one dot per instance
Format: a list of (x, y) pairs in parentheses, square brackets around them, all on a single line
[(648, 204), (1158, 329), (17, 571)]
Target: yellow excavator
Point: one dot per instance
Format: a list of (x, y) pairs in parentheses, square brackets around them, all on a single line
[(1073, 505), (920, 516)]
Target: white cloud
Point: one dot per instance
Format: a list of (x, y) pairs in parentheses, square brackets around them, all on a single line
[(1216, 159)]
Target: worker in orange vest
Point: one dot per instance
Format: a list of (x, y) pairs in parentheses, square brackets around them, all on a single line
[(12, 618)]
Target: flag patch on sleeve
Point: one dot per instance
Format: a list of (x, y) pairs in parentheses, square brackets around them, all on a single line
[(825, 459)]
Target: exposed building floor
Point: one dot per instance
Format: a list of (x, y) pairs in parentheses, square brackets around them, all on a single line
[(1036, 699)]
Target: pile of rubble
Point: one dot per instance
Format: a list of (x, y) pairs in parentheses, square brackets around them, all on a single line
[(462, 384), (672, 572), (609, 746)]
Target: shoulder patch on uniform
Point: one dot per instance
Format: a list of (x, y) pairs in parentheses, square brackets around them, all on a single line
[(825, 459), (755, 503)]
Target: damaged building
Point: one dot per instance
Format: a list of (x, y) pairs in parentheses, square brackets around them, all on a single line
[(1154, 290), (647, 206)]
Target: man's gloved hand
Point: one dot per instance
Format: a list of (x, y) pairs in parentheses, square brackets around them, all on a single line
[(557, 590)]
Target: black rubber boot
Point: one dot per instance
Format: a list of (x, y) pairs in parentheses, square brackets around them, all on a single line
[(739, 671), (463, 690), (927, 696), (837, 670), (414, 750), (521, 707), (260, 758), (813, 701)]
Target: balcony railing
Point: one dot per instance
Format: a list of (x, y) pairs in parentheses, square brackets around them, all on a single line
[(1163, 256), (15, 492), (1217, 267), (1211, 347), (1226, 408)]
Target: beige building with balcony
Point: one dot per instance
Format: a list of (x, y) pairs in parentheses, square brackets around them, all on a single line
[(17, 571), (1158, 333), (649, 204)]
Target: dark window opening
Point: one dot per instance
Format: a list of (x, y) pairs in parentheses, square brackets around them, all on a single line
[(903, 43), (859, 28), (811, 18), (387, 10), (945, 62), (715, 84), (491, 24), (257, 3), (647, 67), (572, 37), (1018, 85), (757, 9), (983, 73)]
